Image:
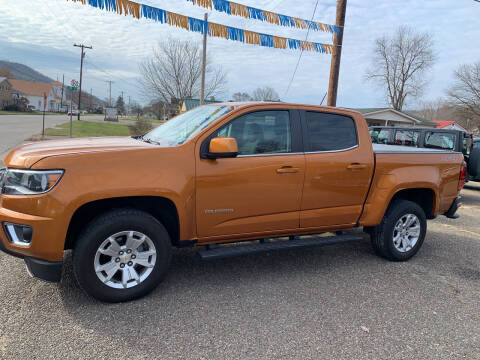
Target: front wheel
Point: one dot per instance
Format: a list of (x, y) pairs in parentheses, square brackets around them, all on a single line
[(401, 233), (121, 255)]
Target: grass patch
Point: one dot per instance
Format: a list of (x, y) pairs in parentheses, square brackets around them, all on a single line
[(88, 129), (134, 118)]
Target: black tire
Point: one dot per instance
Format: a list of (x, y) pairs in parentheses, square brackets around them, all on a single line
[(382, 235), (102, 228), (474, 163)]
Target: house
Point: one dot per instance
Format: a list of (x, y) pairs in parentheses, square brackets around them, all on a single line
[(391, 117), (6, 95), (450, 125), (34, 92), (189, 104)]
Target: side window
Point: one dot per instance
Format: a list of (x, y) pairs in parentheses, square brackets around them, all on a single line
[(330, 132), (439, 140), (261, 132), (406, 137)]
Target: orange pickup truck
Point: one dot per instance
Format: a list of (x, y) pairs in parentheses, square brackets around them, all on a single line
[(269, 173)]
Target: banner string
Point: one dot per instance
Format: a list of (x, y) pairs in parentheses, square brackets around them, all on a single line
[(138, 11)]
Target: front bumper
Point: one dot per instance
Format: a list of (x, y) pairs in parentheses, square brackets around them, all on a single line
[(48, 236), (44, 255), (44, 270), (50, 271)]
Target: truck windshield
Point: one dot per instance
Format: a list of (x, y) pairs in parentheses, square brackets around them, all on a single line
[(184, 126)]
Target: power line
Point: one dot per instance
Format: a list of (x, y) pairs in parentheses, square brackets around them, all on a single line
[(112, 75), (301, 52)]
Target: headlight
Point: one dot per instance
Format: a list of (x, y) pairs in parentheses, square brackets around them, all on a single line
[(28, 182)]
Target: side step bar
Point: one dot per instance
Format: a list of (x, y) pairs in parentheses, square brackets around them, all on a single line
[(219, 252)]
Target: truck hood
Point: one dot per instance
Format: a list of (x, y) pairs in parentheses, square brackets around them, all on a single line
[(25, 156)]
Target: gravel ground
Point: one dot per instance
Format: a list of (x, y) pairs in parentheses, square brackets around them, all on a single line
[(337, 302)]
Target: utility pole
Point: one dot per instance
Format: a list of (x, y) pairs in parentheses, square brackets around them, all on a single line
[(337, 53), (82, 56), (110, 93), (91, 99), (204, 64), (61, 99)]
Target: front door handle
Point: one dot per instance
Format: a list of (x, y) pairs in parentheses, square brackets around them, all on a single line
[(288, 170), (356, 166)]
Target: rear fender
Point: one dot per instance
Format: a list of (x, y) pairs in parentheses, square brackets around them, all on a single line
[(386, 186)]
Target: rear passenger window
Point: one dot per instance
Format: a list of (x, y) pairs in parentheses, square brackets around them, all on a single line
[(439, 140), (330, 132), (406, 137)]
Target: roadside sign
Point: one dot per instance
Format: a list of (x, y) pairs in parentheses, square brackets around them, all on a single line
[(73, 85), (44, 101)]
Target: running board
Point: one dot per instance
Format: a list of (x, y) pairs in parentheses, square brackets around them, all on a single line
[(219, 252)]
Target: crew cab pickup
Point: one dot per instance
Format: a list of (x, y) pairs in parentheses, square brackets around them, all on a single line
[(268, 173)]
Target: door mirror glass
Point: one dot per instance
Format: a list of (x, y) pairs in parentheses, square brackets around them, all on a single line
[(223, 147)]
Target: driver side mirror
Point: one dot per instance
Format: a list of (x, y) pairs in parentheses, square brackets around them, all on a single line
[(222, 147)]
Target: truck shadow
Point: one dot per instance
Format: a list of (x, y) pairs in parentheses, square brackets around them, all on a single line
[(200, 295), (195, 285), (475, 186)]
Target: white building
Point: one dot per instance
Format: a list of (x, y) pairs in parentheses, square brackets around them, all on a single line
[(35, 92), (391, 117)]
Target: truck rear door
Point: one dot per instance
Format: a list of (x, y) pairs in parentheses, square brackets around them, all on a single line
[(339, 168)]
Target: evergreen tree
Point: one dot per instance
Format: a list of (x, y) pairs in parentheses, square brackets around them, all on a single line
[(120, 105)]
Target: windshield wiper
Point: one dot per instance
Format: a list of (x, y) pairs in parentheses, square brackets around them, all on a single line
[(147, 140), (150, 141)]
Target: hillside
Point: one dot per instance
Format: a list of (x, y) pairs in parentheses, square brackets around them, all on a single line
[(23, 72)]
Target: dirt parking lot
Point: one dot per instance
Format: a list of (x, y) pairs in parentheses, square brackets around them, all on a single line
[(337, 302)]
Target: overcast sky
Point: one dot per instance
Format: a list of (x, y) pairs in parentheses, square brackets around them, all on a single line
[(41, 34)]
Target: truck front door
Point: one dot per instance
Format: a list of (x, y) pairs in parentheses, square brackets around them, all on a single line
[(260, 190)]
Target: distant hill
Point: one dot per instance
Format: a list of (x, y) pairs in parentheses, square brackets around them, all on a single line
[(23, 72)]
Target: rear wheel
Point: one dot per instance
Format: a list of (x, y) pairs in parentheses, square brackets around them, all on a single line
[(401, 233), (121, 255)]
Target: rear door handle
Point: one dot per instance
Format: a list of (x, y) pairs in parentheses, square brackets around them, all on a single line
[(288, 170), (356, 166)]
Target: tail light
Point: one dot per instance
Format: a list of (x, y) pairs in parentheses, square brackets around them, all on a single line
[(463, 176)]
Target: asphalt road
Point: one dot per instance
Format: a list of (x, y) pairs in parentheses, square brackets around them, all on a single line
[(337, 302), (14, 129)]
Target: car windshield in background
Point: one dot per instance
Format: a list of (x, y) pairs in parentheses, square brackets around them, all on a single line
[(380, 136), (438, 140), (184, 126)]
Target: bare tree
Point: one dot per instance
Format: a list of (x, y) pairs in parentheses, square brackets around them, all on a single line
[(265, 94), (400, 64), (465, 92), (239, 96), (437, 110), (174, 72)]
